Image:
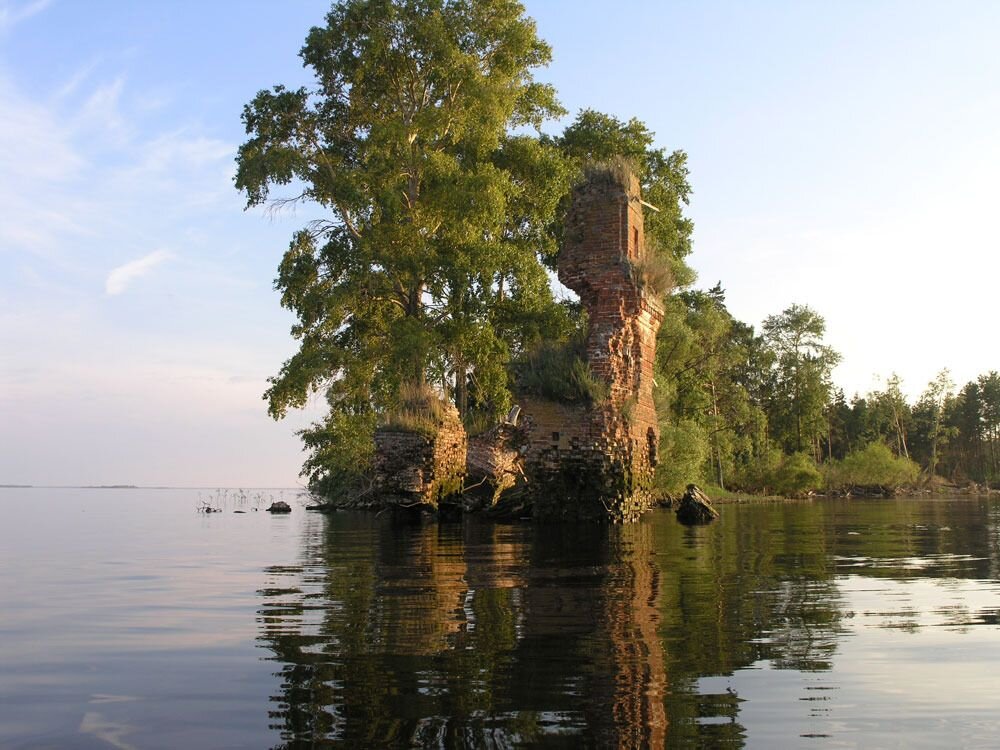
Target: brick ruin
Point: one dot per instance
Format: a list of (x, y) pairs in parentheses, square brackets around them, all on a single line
[(591, 462), (598, 461), (412, 468)]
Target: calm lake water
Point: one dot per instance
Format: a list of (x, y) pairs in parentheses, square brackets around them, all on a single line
[(129, 620)]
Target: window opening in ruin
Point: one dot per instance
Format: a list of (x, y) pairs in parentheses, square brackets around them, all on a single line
[(651, 446), (555, 437), (635, 241)]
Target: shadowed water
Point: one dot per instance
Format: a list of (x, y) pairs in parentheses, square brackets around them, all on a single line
[(129, 620)]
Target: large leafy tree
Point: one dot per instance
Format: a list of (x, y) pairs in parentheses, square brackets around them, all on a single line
[(425, 264), (930, 417)]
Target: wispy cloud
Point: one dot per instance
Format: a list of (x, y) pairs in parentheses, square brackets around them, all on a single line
[(120, 277), (12, 14)]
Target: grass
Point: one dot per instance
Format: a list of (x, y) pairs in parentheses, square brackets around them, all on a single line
[(418, 409), (617, 172), (558, 372), (653, 273)]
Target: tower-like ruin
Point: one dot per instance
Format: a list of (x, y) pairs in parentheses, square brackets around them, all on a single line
[(597, 460)]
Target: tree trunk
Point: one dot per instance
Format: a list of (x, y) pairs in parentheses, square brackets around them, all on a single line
[(461, 386)]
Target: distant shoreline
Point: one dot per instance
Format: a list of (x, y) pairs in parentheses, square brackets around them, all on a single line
[(139, 487)]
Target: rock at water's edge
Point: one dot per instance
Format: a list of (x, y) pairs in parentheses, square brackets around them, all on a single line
[(280, 507)]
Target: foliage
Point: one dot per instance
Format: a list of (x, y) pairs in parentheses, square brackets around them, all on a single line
[(599, 141), (340, 452), (802, 377), (424, 264), (557, 371), (874, 465), (932, 431), (439, 211), (756, 473), (795, 475), (683, 452)]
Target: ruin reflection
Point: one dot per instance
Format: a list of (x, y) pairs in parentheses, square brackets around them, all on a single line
[(469, 635), (476, 634)]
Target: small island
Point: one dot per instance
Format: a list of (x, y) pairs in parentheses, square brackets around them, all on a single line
[(507, 320)]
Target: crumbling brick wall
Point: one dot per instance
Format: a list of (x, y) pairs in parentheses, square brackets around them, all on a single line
[(606, 453), (417, 468)]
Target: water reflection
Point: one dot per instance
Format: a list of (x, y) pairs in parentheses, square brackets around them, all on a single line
[(469, 635), (763, 626)]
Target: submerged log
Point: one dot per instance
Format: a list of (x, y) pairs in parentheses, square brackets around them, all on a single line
[(695, 507)]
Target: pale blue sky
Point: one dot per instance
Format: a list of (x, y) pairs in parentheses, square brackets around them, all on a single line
[(843, 155)]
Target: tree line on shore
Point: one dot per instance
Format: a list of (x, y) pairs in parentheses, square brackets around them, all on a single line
[(427, 276), (759, 412)]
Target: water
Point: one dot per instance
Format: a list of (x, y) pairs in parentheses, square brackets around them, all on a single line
[(129, 620)]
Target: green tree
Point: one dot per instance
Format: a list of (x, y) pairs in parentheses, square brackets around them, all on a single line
[(930, 418), (989, 402), (967, 420), (894, 404), (802, 377), (434, 214)]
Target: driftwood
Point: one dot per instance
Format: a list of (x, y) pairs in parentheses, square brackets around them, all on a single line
[(695, 507)]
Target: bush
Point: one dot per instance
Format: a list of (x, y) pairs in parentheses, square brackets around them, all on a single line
[(875, 465), (756, 473), (340, 453), (796, 475), (683, 452)]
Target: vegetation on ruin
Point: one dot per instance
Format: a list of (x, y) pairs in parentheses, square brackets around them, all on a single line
[(418, 408), (557, 371), (654, 274)]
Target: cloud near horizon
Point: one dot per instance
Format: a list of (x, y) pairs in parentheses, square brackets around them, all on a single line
[(120, 277)]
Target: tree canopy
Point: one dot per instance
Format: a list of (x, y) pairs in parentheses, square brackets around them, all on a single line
[(427, 258)]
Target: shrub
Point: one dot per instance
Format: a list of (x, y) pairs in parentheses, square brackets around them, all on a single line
[(754, 474), (873, 465), (683, 452), (796, 475), (340, 453)]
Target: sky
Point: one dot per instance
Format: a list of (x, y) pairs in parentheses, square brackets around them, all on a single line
[(843, 155)]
